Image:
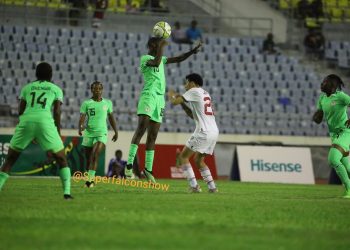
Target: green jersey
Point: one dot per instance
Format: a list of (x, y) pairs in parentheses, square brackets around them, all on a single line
[(334, 108), (39, 97), (97, 115), (154, 77)]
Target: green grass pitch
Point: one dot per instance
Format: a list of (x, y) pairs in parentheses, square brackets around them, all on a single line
[(33, 215)]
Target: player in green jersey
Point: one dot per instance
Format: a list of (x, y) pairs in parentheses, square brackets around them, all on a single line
[(332, 104), (152, 102), (36, 123), (97, 110)]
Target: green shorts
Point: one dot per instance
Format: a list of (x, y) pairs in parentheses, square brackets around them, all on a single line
[(342, 139), (90, 141), (45, 133), (152, 105)]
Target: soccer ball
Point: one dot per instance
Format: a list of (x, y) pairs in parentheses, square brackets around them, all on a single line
[(162, 30)]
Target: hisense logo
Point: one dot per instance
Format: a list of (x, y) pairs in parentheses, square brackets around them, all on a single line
[(260, 165)]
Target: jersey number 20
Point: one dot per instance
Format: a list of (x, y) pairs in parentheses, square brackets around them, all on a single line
[(40, 100), (208, 110)]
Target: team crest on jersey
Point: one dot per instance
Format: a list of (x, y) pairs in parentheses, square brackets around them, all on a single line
[(105, 107), (333, 103)]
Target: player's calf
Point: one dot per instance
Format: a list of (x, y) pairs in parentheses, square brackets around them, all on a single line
[(206, 175)]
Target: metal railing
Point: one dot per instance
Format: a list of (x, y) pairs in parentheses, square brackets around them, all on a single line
[(212, 6)]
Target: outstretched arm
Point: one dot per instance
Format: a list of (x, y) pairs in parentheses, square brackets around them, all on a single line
[(81, 123), (183, 57), (57, 115), (176, 99), (156, 61), (187, 110), (318, 116), (113, 123)]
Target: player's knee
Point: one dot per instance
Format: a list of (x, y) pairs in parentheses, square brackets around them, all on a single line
[(140, 131), (334, 157), (61, 160), (197, 160), (95, 157), (11, 158), (183, 159)]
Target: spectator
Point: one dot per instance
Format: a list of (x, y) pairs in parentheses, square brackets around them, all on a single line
[(100, 7), (303, 9), (131, 7), (193, 33), (116, 165), (178, 35), (75, 12), (269, 45), (316, 9), (314, 43)]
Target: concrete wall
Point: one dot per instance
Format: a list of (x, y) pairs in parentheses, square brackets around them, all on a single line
[(223, 151)]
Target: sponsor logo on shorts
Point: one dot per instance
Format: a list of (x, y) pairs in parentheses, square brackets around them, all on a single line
[(147, 109)]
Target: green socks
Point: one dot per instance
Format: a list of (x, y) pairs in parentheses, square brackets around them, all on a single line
[(91, 175), (132, 153), (3, 177), (149, 159), (149, 156), (334, 158), (65, 178)]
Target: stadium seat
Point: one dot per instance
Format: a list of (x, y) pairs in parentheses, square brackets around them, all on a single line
[(231, 79)]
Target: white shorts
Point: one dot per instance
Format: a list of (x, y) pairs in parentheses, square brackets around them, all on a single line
[(202, 142)]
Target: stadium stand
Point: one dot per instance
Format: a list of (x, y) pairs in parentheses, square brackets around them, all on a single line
[(252, 93), (339, 52)]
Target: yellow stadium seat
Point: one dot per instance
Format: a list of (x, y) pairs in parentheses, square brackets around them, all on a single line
[(347, 13), (19, 2), (336, 13), (343, 3), (294, 3), (284, 4), (330, 3), (311, 22)]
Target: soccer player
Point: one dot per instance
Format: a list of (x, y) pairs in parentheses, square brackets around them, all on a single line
[(151, 103), (332, 104), (96, 109), (36, 123), (203, 140)]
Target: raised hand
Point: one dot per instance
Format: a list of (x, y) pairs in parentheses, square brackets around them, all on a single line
[(196, 49)]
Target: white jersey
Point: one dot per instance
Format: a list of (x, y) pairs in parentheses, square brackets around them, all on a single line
[(202, 111)]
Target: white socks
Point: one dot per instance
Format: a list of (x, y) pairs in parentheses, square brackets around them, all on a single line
[(205, 172), (188, 172)]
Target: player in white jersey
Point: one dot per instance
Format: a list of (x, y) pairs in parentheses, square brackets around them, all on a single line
[(203, 140)]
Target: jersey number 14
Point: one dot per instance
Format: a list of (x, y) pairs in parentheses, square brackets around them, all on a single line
[(40, 100)]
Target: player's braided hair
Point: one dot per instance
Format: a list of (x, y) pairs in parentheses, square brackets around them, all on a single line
[(95, 82), (335, 80), (43, 71), (153, 40)]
